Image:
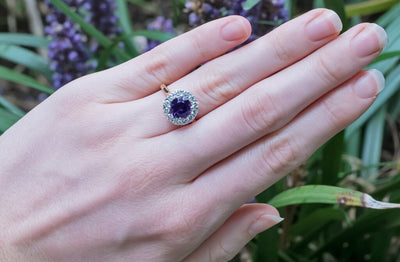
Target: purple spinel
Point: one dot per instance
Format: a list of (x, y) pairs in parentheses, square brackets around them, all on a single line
[(180, 107)]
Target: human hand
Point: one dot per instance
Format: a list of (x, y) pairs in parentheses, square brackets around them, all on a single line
[(96, 172)]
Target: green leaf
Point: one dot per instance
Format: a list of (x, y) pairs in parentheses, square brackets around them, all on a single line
[(10, 75), (332, 159), (372, 146), (155, 35), (316, 220), (7, 119), (371, 221), (312, 225), (23, 39), (125, 23), (328, 195), (10, 107), (386, 55), (249, 4), (88, 28), (26, 58), (369, 7)]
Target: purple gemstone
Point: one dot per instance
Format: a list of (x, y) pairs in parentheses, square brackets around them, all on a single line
[(180, 107)]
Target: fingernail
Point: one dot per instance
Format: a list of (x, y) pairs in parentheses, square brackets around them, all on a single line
[(324, 25), (370, 40), (370, 84), (263, 223), (233, 31)]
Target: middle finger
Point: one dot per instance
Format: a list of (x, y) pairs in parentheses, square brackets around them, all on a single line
[(273, 102), (225, 77)]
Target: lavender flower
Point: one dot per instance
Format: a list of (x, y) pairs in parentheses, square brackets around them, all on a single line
[(101, 14), (69, 49), (159, 24), (264, 16)]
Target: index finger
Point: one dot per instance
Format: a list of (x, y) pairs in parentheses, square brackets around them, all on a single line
[(170, 61)]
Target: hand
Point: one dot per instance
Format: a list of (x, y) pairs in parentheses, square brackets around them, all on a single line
[(97, 173)]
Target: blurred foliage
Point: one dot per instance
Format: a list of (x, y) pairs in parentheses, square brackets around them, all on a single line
[(364, 158)]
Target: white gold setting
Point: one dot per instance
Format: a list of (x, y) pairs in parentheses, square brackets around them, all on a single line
[(193, 107)]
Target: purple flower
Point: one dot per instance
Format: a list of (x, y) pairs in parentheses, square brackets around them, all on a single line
[(264, 16), (159, 24), (69, 50)]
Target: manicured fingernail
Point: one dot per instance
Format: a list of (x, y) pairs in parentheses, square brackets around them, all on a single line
[(370, 40), (263, 223), (324, 25), (370, 84), (233, 31)]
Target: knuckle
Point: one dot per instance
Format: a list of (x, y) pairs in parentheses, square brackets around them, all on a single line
[(218, 86), (156, 66), (197, 43), (280, 155), (222, 254), (334, 114), (281, 48), (260, 113), (328, 71)]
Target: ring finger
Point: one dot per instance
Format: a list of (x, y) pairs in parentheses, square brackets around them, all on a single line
[(225, 77)]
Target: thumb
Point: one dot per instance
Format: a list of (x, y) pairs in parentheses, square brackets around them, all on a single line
[(236, 232)]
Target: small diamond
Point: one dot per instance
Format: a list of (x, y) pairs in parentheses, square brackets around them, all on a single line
[(180, 107)]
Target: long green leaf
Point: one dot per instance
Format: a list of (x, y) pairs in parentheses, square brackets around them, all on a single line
[(369, 7), (332, 159), (10, 107), (126, 25), (371, 221), (7, 119), (328, 195), (373, 139), (155, 35), (386, 55), (88, 28), (26, 58), (249, 4), (23, 39), (10, 75)]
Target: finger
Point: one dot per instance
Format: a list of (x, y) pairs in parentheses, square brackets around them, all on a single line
[(170, 61), (236, 232), (225, 77), (273, 102), (262, 163)]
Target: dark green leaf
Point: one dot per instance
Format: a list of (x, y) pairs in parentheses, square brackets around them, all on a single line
[(26, 58), (369, 7), (332, 159), (7, 119), (125, 23), (23, 39), (386, 55), (10, 75), (249, 4), (11, 108)]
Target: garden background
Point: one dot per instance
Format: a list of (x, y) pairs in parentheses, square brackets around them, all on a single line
[(327, 202)]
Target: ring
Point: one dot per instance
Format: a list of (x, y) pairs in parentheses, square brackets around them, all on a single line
[(180, 107)]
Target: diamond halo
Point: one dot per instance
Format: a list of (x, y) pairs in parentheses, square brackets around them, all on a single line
[(180, 95)]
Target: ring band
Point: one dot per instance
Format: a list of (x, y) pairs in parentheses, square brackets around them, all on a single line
[(180, 107)]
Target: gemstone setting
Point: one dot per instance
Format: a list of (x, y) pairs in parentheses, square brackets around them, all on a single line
[(180, 107)]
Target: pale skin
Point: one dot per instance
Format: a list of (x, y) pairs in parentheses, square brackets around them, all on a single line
[(97, 173)]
